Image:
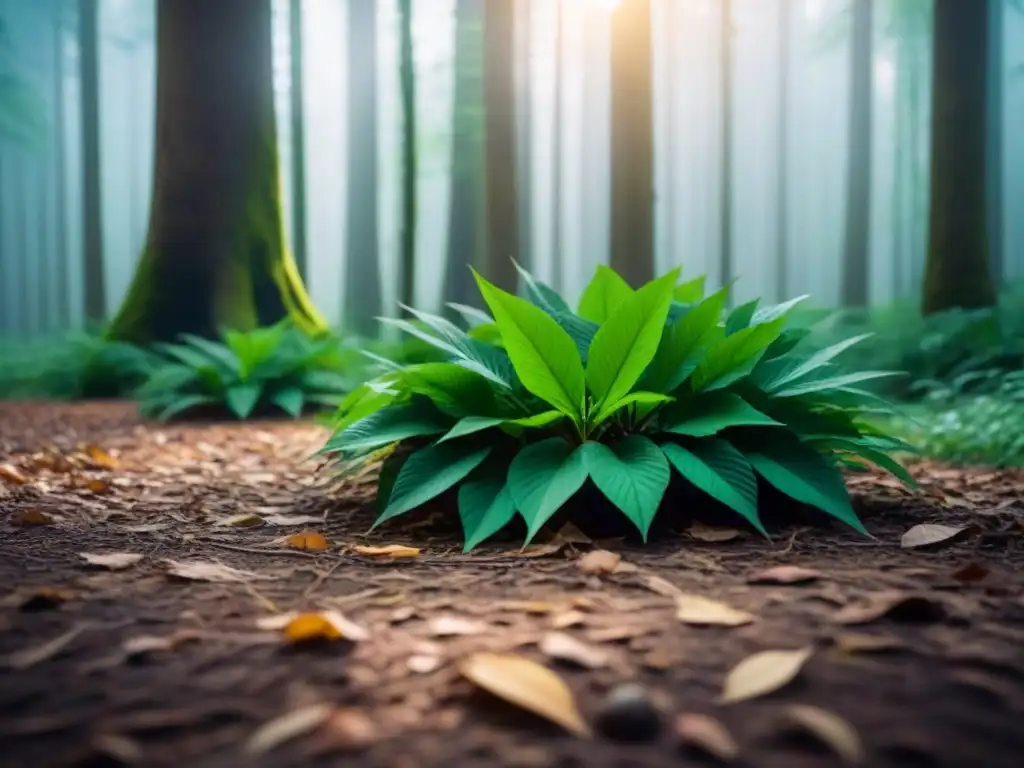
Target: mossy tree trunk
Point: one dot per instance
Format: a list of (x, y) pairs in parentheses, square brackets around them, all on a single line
[(957, 271), (632, 142), (215, 255)]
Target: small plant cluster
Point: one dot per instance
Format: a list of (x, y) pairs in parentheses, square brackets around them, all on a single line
[(277, 367), (535, 400)]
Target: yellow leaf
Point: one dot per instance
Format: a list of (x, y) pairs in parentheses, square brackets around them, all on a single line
[(100, 458), (325, 625), (829, 728), (96, 485), (703, 611), (115, 561), (32, 517), (599, 561), (763, 673), (528, 685), (391, 550), (310, 541), (11, 475)]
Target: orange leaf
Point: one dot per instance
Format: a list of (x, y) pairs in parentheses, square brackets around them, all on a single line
[(100, 458), (12, 475), (391, 550), (311, 626), (32, 517), (311, 541)]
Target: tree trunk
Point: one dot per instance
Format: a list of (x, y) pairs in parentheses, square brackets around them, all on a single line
[(501, 156), (524, 154), (95, 298), (467, 212), (856, 243), (407, 81), (298, 136), (782, 189), (957, 268), (632, 142), (215, 254), (362, 250), (725, 265), (995, 164), (557, 118)]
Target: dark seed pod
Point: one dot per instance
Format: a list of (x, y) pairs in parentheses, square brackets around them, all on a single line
[(628, 714)]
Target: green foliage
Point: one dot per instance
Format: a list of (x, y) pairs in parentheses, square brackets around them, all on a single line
[(273, 368), (632, 390)]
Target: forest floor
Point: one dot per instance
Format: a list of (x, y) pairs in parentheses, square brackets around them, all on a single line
[(179, 647)]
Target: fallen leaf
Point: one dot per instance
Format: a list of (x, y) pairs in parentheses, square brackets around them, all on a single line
[(348, 728), (703, 611), (565, 647), (708, 735), (711, 533), (928, 535), (142, 644), (911, 609), (423, 663), (201, 570), (115, 561), (35, 654), (971, 573), (599, 561), (288, 726), (97, 485), (325, 625), (283, 521), (567, 619), (785, 574), (447, 626), (30, 517), (391, 550), (310, 541), (829, 728), (100, 458), (570, 534), (528, 685), (11, 475), (248, 520), (852, 642), (663, 586), (762, 673), (542, 550)]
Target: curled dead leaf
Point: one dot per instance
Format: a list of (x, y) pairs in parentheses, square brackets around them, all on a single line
[(785, 574), (567, 619), (930, 535), (391, 550), (711, 533), (115, 561), (288, 726), (31, 517), (201, 570), (565, 647), (527, 685), (9, 474), (708, 735), (599, 561), (763, 673), (703, 611), (309, 541), (829, 728)]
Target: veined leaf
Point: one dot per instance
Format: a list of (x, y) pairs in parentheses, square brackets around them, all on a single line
[(802, 473), (216, 351), (389, 470), (242, 398), (469, 425), (471, 315), (815, 361), (741, 317), (538, 420), (681, 347), (543, 355), (774, 312), (786, 343), (399, 422), (429, 472), (714, 412), (581, 331), (363, 401), (646, 401), (691, 291), (544, 476), (633, 474), (485, 503), (541, 295), (628, 341), (730, 359), (603, 295), (833, 382), (715, 467), (452, 388), (866, 451), (290, 400)]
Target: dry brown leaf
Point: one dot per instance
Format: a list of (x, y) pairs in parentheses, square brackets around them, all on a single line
[(100, 458), (663, 586), (423, 663), (895, 605), (711, 533), (248, 520), (35, 654), (528, 685), (567, 619), (201, 570), (785, 574), (703, 611), (391, 550), (310, 541), (763, 673), (708, 735), (325, 625), (829, 728), (565, 647), (542, 550), (448, 626), (599, 561), (31, 517), (971, 573), (348, 728), (288, 726), (929, 535), (115, 561), (570, 534), (852, 642), (97, 485), (283, 521), (10, 474)]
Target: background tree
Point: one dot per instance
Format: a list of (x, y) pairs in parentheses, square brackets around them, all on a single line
[(297, 101), (725, 186), (407, 81), (557, 119), (957, 272), (215, 253), (782, 191), (362, 269), (632, 142), (95, 295)]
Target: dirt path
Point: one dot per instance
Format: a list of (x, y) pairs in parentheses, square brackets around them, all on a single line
[(921, 655)]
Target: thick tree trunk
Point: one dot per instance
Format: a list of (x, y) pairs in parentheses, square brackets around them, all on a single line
[(524, 153), (215, 255), (725, 260), (362, 270), (782, 188), (996, 167), (856, 250), (957, 273), (500, 117), (407, 78), (632, 140), (95, 295), (557, 153), (298, 135)]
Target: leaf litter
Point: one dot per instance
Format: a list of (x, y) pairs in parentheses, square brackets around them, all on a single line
[(763, 673)]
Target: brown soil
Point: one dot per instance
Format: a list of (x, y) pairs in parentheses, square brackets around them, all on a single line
[(78, 686)]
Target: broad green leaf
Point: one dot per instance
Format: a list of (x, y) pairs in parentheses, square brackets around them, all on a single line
[(542, 477), (429, 472), (639, 398), (390, 425), (190, 357), (469, 425), (488, 333), (815, 361), (715, 467), (485, 504), (732, 358), (802, 473), (471, 315), (182, 404), (774, 312), (541, 295), (710, 414), (538, 420), (691, 291), (581, 331), (242, 398), (786, 343), (452, 388), (627, 342), (603, 295), (544, 356), (741, 317), (216, 351), (830, 383), (633, 474), (866, 451), (681, 346), (290, 400), (362, 402), (389, 470)]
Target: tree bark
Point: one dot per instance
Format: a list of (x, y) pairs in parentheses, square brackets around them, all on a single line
[(95, 295), (782, 188), (557, 153), (215, 254), (957, 271), (856, 243), (996, 167), (407, 81), (298, 135), (632, 142), (524, 154), (725, 260), (500, 119), (362, 249)]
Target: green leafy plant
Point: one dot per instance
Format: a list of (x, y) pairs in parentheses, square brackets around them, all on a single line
[(632, 387), (278, 367)]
